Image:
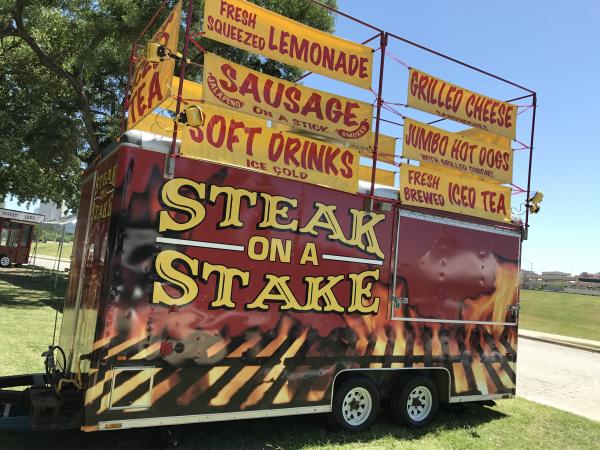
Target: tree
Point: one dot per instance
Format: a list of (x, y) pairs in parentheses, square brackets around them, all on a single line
[(63, 75)]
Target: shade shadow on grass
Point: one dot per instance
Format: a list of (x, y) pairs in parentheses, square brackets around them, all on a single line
[(294, 432), (21, 290)]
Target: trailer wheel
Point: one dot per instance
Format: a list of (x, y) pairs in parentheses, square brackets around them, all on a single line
[(5, 261), (355, 405), (414, 403)]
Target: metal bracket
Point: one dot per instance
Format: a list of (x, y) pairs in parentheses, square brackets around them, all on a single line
[(169, 167), (399, 301), (514, 310)]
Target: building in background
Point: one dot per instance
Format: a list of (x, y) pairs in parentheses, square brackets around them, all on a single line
[(557, 277), (51, 210), (584, 283)]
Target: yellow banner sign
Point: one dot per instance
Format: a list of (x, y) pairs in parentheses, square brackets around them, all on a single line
[(382, 176), (463, 195), (386, 145), (455, 151), (157, 124), (386, 148), (232, 139), (258, 30), (191, 94), (492, 139), (152, 81), (241, 89), (433, 95), (163, 125)]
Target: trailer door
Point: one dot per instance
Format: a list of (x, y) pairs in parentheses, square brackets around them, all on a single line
[(86, 280), (454, 271), (77, 269)]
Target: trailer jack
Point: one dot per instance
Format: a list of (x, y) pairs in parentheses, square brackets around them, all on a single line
[(50, 402)]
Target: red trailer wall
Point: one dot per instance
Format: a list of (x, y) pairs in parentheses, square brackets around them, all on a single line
[(240, 354)]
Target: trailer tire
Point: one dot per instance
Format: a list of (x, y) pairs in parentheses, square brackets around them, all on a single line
[(355, 405), (5, 261), (415, 402)]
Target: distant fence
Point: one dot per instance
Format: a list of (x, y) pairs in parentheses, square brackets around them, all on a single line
[(582, 291), (595, 292)]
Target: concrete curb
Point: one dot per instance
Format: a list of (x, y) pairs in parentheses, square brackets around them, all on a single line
[(50, 258), (565, 341)]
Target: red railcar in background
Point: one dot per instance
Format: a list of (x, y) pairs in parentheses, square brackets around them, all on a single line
[(16, 235)]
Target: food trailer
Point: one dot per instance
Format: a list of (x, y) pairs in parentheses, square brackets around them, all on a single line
[(229, 269), (16, 235)]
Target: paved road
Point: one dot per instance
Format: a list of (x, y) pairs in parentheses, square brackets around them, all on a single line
[(562, 377), (49, 262)]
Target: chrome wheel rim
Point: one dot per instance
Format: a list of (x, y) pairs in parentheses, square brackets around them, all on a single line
[(4, 261), (357, 406), (419, 403)]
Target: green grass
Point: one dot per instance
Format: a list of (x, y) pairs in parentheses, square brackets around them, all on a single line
[(513, 424), (561, 313), (27, 311), (28, 307), (51, 249)]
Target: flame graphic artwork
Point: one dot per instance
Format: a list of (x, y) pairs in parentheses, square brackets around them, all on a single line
[(196, 360)]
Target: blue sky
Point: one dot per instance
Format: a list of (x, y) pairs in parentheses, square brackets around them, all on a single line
[(550, 47)]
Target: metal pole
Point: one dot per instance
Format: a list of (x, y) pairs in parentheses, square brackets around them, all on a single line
[(34, 254), (530, 162), (60, 249), (378, 114), (169, 168), (457, 61)]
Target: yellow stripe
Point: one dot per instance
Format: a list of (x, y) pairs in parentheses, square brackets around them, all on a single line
[(128, 343), (242, 377), (203, 383), (165, 386), (91, 394), (274, 373), (152, 348)]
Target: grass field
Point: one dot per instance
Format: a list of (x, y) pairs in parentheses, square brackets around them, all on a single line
[(513, 424), (561, 313), (27, 311), (51, 249)]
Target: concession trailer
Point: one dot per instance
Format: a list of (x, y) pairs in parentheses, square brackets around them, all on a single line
[(229, 270), (224, 294), (16, 235)]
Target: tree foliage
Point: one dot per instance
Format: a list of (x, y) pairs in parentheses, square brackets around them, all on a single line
[(63, 76)]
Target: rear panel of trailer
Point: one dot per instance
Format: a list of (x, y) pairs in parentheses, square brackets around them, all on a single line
[(456, 300)]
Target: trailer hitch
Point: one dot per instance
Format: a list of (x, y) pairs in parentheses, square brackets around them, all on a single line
[(54, 365)]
